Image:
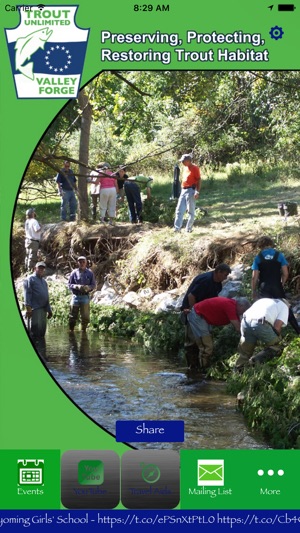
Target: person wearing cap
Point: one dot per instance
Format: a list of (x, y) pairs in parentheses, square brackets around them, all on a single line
[(263, 323), (81, 283), (190, 189), (108, 193), (269, 275), (67, 186), (36, 298), (133, 187), (32, 239)]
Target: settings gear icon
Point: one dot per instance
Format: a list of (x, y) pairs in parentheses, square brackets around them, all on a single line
[(276, 33)]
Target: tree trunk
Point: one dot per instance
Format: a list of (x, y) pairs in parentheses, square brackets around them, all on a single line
[(85, 128)]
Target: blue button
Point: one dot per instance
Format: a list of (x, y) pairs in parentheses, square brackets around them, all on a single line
[(150, 431)]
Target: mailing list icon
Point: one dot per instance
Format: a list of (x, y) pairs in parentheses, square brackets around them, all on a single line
[(210, 472)]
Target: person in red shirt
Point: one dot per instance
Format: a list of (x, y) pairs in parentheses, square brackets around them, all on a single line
[(190, 189), (217, 311)]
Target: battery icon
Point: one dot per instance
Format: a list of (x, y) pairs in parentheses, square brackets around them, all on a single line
[(286, 7)]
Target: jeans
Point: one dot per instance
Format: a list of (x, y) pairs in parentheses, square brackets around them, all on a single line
[(68, 199), (252, 332), (134, 200), (186, 202), (199, 326)]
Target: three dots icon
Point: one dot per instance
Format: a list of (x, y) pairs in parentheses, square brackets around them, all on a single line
[(270, 472)]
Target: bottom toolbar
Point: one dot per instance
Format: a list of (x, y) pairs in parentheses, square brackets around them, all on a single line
[(150, 479)]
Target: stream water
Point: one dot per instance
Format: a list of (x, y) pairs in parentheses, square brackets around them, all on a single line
[(114, 380)]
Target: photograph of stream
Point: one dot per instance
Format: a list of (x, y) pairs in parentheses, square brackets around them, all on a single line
[(112, 379), (149, 181)]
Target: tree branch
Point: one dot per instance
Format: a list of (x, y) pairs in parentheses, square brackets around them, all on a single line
[(134, 87)]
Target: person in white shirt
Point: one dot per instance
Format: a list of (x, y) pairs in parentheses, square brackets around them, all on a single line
[(262, 322), (32, 239)]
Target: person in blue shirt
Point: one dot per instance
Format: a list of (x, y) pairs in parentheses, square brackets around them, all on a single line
[(36, 299), (269, 269), (269, 275), (81, 283), (67, 186)]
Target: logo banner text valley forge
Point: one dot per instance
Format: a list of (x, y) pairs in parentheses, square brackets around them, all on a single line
[(47, 52)]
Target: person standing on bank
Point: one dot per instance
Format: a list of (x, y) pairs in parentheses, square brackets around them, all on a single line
[(32, 239), (67, 186), (122, 176), (269, 275), (176, 187), (190, 189), (81, 283), (94, 180), (133, 187), (36, 299), (108, 193)]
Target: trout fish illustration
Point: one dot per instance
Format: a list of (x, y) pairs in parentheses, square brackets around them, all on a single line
[(26, 46)]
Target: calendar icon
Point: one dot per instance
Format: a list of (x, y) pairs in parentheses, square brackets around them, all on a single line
[(30, 471)]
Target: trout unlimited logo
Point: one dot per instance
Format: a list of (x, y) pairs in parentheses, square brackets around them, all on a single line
[(47, 52)]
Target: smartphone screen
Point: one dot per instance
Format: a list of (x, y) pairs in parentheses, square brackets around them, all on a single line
[(144, 145)]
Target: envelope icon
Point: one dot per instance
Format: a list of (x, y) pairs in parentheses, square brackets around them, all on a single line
[(210, 472)]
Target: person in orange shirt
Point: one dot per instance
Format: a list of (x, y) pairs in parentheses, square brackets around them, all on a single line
[(190, 189)]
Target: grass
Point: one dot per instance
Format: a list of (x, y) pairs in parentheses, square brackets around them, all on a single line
[(47, 210), (246, 203)]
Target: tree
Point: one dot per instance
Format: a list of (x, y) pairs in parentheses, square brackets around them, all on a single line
[(145, 119), (85, 128)]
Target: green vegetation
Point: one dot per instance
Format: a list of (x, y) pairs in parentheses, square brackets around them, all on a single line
[(155, 332), (271, 391), (246, 122), (272, 397)]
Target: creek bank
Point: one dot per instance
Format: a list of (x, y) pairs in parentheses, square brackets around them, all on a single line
[(138, 254), (144, 299)]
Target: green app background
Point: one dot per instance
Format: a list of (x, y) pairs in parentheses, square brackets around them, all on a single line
[(35, 413), (243, 487)]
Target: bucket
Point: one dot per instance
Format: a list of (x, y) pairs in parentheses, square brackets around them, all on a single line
[(290, 208)]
